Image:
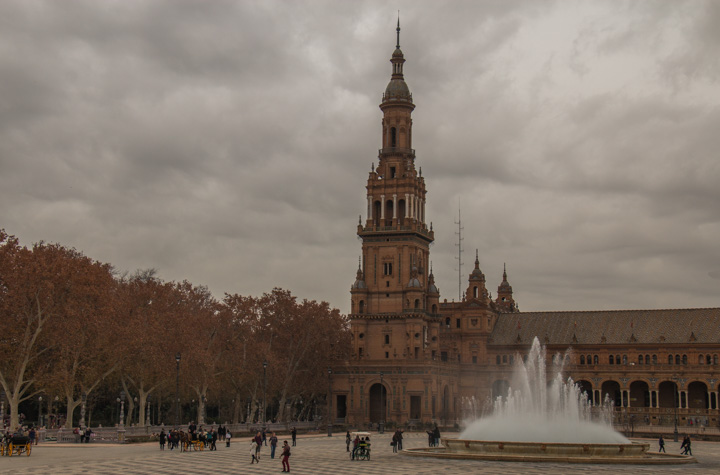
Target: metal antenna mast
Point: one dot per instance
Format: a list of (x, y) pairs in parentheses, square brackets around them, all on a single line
[(460, 251)]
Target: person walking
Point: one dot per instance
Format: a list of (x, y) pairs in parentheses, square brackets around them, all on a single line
[(273, 445), (258, 444), (661, 443), (228, 436), (293, 433), (686, 445), (394, 442), (348, 439), (286, 457), (399, 438), (253, 452), (163, 438)]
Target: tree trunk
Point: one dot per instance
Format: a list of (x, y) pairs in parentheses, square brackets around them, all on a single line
[(237, 407), (71, 405)]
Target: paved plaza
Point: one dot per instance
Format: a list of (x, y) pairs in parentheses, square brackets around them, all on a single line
[(313, 455)]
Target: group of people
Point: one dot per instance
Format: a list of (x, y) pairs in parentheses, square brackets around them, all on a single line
[(261, 438), (209, 438), (434, 437), (684, 447)]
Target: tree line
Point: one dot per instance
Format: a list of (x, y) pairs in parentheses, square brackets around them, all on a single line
[(72, 326)]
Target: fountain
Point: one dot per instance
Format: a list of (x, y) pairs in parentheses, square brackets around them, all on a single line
[(540, 422)]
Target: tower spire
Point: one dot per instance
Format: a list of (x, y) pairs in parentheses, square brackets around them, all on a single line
[(398, 31)]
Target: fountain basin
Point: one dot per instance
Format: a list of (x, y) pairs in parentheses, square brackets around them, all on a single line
[(503, 451), (543, 449)]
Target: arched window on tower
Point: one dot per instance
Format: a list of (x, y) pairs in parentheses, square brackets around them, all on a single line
[(417, 303), (393, 137), (376, 213), (475, 292), (434, 308), (361, 306)]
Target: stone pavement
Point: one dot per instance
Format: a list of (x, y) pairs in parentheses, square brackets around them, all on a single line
[(313, 455)]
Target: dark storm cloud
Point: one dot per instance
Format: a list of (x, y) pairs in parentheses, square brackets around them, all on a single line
[(228, 143)]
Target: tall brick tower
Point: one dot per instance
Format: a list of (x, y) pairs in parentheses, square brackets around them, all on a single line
[(393, 375), (395, 236)]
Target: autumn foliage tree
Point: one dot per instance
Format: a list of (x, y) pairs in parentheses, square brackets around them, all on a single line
[(45, 291), (70, 326)]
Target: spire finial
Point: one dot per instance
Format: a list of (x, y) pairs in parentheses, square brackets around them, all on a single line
[(398, 31)]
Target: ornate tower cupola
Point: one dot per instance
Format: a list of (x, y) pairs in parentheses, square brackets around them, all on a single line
[(476, 283), (504, 300)]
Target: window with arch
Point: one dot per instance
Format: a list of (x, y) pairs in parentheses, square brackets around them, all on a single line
[(647, 359), (387, 339), (582, 359), (617, 359), (447, 322), (624, 360), (677, 359), (684, 359), (595, 359), (641, 360), (670, 359), (701, 359), (588, 358), (361, 306), (504, 359), (393, 137), (434, 308), (475, 292), (715, 359), (417, 303), (611, 359), (708, 359), (654, 359), (497, 359)]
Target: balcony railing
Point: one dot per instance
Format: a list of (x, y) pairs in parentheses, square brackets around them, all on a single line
[(396, 150)]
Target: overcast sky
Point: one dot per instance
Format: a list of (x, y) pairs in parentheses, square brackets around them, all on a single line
[(228, 142)]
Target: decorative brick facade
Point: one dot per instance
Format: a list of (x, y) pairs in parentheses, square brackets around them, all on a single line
[(417, 360)]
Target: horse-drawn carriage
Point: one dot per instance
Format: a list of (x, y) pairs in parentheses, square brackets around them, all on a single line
[(361, 450), (15, 445), (190, 441)]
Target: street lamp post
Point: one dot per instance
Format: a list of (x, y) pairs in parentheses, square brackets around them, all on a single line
[(132, 416), (40, 419), (265, 364), (381, 429), (82, 410), (677, 389), (147, 410), (177, 391), (2, 410), (330, 422), (122, 409)]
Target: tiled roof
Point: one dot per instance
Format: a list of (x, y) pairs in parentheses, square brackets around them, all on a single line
[(677, 326)]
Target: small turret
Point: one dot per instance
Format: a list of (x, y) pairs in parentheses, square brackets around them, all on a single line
[(505, 301), (476, 283)]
